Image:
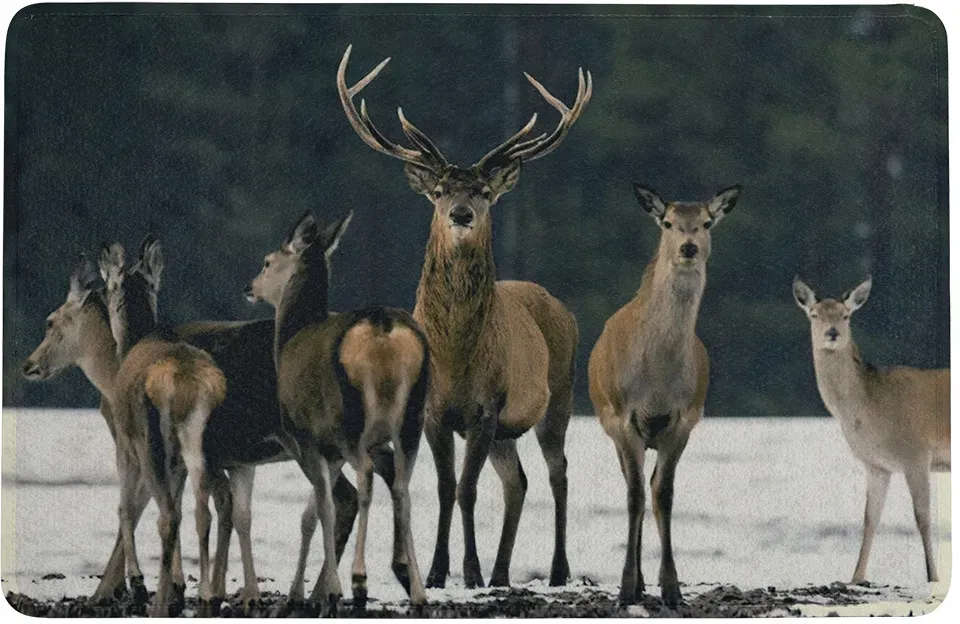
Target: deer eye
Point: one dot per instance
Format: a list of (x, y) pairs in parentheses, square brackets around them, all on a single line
[(49, 323), (667, 225), (438, 192), (266, 263), (813, 315), (487, 194), (846, 316), (707, 225)]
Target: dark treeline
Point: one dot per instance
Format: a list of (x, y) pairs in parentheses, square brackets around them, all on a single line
[(215, 128)]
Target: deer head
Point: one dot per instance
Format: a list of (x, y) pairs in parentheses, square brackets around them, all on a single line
[(305, 245), (685, 227), (461, 197), (69, 325), (830, 318), (131, 293)]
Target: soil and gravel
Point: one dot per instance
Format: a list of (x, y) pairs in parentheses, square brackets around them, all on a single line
[(582, 599)]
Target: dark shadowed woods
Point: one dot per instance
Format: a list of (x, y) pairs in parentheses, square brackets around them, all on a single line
[(215, 127)]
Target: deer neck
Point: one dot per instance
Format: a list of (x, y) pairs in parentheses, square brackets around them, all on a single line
[(98, 359), (841, 375), (671, 300), (456, 294), (132, 318), (304, 303)]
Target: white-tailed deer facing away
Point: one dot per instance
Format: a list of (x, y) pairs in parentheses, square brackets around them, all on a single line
[(894, 420), (648, 372), (502, 353), (163, 394), (349, 385), (238, 435)]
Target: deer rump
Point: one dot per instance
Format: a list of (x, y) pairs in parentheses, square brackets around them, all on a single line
[(340, 391)]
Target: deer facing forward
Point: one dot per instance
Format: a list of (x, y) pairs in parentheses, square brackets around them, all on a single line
[(648, 371), (894, 420), (502, 352)]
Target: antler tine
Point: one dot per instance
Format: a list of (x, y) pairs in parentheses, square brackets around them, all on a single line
[(531, 150), (421, 140), (509, 143), (361, 121)]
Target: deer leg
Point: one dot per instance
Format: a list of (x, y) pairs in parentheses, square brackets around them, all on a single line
[(177, 480), (113, 583), (220, 487), (190, 437), (345, 496), (479, 439), (631, 448), (364, 496), (503, 456), (241, 491), (327, 590), (918, 482), (661, 486), (405, 566), (440, 440), (878, 480), (130, 489), (308, 525), (551, 435)]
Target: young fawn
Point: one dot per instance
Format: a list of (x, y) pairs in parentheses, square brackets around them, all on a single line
[(894, 420), (648, 371)]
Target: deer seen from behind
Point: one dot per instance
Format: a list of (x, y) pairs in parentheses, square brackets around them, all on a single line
[(163, 394), (349, 386), (502, 352), (238, 435), (894, 420), (648, 372)]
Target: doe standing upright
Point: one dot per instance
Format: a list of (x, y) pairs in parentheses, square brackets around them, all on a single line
[(895, 420), (648, 371)]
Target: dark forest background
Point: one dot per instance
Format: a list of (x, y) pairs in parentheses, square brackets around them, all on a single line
[(216, 126)]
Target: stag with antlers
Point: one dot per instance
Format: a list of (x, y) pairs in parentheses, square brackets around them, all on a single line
[(502, 352)]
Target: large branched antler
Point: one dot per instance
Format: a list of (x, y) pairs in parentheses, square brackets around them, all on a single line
[(426, 155), (531, 149)]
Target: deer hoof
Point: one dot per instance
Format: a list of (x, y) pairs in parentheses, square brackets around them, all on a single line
[(437, 578), (472, 578), (138, 590), (671, 595), (559, 575)]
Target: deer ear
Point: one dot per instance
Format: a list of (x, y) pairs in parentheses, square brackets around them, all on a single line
[(84, 280), (333, 232), (859, 295), (723, 202), (650, 201), (422, 179), (111, 263), (303, 234), (503, 179), (151, 260), (803, 295)]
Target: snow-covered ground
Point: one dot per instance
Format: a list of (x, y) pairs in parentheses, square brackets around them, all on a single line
[(759, 503)]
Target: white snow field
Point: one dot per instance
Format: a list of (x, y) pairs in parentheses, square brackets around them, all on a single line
[(759, 502)]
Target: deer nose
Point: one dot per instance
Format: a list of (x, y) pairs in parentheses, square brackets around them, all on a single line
[(462, 216), (833, 334), (31, 369), (248, 293), (689, 250)]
